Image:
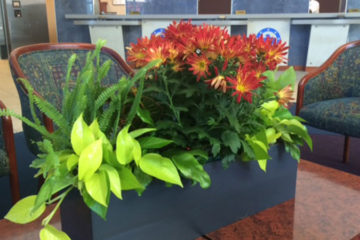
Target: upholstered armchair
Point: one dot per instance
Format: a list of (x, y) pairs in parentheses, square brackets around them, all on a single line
[(8, 166), (329, 98), (45, 66)]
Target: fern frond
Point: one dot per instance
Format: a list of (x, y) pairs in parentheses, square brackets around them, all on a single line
[(30, 91), (135, 105), (103, 70), (104, 96), (50, 111), (71, 62), (40, 128), (106, 117)]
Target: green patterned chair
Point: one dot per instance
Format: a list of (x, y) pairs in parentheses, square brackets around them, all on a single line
[(44, 65), (8, 165), (329, 98)]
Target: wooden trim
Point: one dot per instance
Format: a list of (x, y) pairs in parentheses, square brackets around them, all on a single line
[(311, 69), (7, 129), (15, 66), (322, 68), (51, 21)]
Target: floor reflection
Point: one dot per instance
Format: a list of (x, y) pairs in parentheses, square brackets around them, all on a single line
[(326, 206)]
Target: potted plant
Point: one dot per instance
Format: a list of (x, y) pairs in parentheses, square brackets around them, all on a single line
[(199, 96)]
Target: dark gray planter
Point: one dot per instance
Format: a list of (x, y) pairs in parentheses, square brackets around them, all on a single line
[(175, 213)]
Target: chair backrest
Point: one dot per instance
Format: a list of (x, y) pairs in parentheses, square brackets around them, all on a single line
[(45, 66), (339, 76)]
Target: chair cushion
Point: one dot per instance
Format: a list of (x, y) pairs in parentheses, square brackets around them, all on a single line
[(340, 115)]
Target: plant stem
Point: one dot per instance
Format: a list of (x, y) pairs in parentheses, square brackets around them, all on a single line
[(51, 215), (176, 113)]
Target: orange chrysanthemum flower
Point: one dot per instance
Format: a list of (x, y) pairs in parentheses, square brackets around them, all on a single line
[(137, 53), (218, 82), (285, 95), (199, 65), (244, 84)]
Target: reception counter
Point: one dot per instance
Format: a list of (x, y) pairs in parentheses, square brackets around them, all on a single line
[(311, 37)]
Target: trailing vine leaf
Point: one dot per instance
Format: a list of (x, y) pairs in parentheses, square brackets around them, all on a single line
[(129, 180), (81, 135), (51, 233), (192, 169), (97, 186), (114, 179), (94, 205), (262, 164), (124, 146), (160, 167), (138, 132), (90, 160), (153, 142), (22, 213)]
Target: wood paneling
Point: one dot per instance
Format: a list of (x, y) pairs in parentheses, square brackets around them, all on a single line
[(214, 7), (51, 19)]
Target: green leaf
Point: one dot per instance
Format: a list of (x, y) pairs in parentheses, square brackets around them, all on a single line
[(227, 160), (200, 153), (159, 167), (262, 164), (286, 78), (143, 179), (114, 179), (272, 135), (124, 146), (293, 150), (232, 140), (90, 160), (93, 205), (98, 188), (215, 150), (192, 169), (138, 132), (145, 116), (269, 75), (21, 212), (153, 142), (72, 161), (296, 127), (44, 195), (81, 135), (128, 180), (136, 151), (259, 149), (51, 233)]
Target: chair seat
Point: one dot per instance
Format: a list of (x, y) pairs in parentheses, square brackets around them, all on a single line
[(341, 115)]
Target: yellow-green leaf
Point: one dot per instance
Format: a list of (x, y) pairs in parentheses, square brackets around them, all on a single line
[(128, 180), (114, 179), (90, 159), (124, 146), (262, 164), (72, 161), (81, 135), (272, 135), (98, 188), (51, 233), (137, 152), (22, 213), (160, 167), (95, 129)]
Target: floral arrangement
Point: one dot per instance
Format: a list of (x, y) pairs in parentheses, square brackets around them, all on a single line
[(200, 95), (218, 92)]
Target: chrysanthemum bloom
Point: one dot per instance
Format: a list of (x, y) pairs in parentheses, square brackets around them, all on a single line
[(137, 53), (199, 65), (285, 95), (218, 82), (244, 84)]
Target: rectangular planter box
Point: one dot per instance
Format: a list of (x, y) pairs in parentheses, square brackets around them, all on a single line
[(180, 214)]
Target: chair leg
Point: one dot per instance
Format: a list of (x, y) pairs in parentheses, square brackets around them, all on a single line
[(346, 149)]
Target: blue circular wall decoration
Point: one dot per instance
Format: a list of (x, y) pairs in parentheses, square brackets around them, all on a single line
[(269, 33), (159, 32)]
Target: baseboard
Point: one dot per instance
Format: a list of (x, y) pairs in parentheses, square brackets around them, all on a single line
[(296, 68)]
